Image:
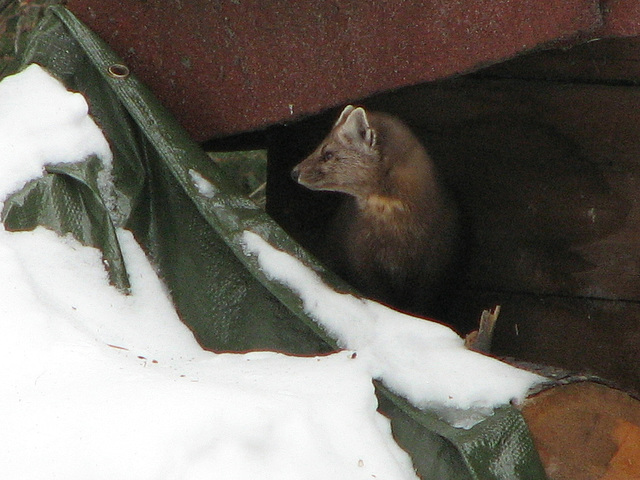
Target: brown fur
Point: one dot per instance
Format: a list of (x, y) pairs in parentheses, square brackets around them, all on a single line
[(396, 232)]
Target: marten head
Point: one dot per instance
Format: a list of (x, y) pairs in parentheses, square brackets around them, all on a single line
[(348, 160)]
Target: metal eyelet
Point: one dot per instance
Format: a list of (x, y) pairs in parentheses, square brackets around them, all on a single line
[(119, 71)]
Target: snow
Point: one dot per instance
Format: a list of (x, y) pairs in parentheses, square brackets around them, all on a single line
[(204, 186), (97, 384), (102, 385), (423, 361), (47, 122)]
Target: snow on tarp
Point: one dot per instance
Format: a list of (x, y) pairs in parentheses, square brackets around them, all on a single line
[(423, 361), (98, 384), (41, 120)]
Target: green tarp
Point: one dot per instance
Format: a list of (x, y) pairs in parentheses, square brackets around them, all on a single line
[(218, 290)]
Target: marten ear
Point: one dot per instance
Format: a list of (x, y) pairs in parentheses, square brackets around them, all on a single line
[(356, 128), (347, 110)]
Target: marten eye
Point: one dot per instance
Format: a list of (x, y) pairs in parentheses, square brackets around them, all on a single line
[(327, 155)]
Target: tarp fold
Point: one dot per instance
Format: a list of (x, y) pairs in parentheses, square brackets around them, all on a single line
[(193, 237)]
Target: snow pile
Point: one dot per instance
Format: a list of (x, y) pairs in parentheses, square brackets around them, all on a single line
[(204, 186), (423, 361), (97, 384), (38, 123)]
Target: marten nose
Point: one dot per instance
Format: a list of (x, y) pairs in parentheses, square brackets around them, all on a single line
[(295, 174)]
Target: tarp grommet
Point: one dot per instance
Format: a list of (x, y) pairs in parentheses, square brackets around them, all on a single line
[(118, 70)]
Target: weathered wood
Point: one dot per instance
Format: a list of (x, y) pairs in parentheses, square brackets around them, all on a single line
[(601, 337), (611, 61)]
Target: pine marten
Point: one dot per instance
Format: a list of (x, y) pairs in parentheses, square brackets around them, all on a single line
[(396, 232)]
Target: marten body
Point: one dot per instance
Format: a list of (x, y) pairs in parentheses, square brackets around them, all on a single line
[(396, 233)]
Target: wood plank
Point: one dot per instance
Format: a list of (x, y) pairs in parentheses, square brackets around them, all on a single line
[(598, 337), (610, 61)]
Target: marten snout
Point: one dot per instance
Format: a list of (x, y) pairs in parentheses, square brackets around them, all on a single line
[(295, 173)]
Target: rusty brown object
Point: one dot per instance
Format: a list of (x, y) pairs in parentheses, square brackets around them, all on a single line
[(586, 431), (239, 65)]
